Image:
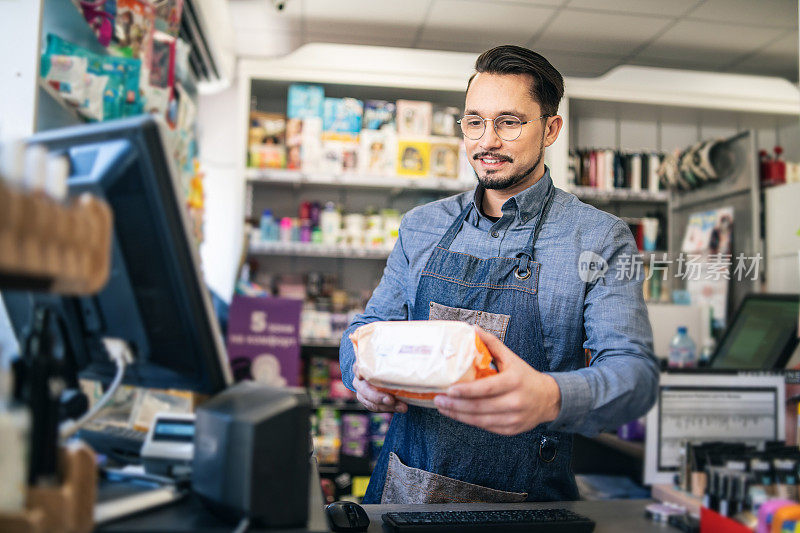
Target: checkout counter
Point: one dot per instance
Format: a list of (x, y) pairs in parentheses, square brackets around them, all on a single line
[(619, 516)]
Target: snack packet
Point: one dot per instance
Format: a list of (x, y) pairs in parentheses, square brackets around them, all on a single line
[(417, 360)]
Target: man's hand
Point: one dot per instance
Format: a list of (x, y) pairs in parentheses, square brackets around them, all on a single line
[(515, 400), (375, 400)]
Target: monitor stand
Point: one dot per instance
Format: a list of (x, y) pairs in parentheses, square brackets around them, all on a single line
[(316, 506)]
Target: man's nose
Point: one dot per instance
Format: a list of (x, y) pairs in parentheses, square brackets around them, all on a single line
[(490, 140)]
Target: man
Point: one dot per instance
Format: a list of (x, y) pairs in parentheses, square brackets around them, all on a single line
[(545, 274)]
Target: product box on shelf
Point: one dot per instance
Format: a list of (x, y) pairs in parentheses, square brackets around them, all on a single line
[(168, 16), (134, 25), (305, 101), (444, 158), (377, 152), (267, 136), (414, 118), (413, 157), (444, 121), (311, 144), (379, 115), (339, 153), (342, 115)]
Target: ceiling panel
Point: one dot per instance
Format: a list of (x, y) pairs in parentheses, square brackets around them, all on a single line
[(716, 44), (545, 3), (672, 8), (580, 37), (603, 33), (583, 65), (777, 59), (781, 13), (364, 17), (476, 21), (386, 39), (687, 62), (458, 46)]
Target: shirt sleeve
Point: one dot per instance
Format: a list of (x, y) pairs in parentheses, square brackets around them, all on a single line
[(388, 302), (621, 381)]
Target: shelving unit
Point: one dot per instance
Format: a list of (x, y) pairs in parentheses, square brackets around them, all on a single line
[(298, 178), (29, 107), (619, 195), (630, 108), (303, 249)]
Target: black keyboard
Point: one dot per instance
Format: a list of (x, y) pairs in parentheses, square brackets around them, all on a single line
[(533, 520)]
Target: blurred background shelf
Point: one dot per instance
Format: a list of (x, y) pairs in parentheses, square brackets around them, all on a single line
[(619, 195), (366, 181), (316, 250)]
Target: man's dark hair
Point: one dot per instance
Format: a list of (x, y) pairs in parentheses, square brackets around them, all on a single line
[(547, 88)]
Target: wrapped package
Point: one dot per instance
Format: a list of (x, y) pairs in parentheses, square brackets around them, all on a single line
[(416, 360)]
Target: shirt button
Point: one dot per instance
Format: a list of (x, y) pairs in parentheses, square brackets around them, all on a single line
[(495, 234)]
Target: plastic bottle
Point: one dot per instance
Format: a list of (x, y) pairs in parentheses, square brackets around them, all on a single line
[(269, 226), (682, 351), (709, 345), (286, 229), (330, 222)]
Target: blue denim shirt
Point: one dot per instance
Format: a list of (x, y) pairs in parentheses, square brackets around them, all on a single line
[(607, 315)]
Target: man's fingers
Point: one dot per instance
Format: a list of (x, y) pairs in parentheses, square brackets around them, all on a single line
[(376, 400), (500, 352), (484, 406), (368, 404), (481, 388), (372, 394)]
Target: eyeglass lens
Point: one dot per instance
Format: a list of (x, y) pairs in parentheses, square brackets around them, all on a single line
[(507, 127)]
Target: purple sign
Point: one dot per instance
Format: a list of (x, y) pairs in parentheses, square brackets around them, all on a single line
[(264, 339)]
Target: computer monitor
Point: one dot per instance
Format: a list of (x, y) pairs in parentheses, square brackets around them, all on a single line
[(762, 334), (710, 408), (155, 298)]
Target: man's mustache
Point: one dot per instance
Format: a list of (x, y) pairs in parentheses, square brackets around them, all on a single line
[(493, 156)]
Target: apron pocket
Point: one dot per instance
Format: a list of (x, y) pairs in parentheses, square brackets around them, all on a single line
[(494, 323), (407, 485)]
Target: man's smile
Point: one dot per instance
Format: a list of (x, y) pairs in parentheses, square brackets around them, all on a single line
[(492, 161)]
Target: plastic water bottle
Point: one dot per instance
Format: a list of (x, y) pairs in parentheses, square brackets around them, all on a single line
[(269, 227), (682, 351)]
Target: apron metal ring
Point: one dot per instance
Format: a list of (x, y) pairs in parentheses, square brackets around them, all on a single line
[(522, 275), (547, 450)]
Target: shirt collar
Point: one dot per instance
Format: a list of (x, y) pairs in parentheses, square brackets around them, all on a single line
[(525, 205)]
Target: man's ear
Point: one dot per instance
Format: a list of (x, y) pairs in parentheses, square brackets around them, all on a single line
[(552, 129)]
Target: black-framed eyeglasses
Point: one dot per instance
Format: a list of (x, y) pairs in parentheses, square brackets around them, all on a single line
[(507, 127)]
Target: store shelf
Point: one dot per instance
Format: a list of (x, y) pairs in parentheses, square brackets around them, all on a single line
[(362, 181), (54, 111), (344, 405), (304, 249), (320, 343), (619, 195)]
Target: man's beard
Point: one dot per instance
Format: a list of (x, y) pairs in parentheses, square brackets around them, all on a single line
[(504, 183)]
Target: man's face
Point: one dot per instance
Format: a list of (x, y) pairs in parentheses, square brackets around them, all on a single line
[(502, 164)]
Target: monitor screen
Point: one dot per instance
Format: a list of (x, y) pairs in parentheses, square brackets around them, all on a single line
[(710, 408), (761, 336), (155, 299)]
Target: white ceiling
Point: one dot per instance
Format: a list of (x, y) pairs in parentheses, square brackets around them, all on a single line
[(580, 37)]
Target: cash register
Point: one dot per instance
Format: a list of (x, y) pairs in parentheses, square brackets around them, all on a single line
[(156, 302)]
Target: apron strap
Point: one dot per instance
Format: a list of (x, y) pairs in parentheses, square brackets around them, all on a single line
[(454, 228), (526, 256)]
